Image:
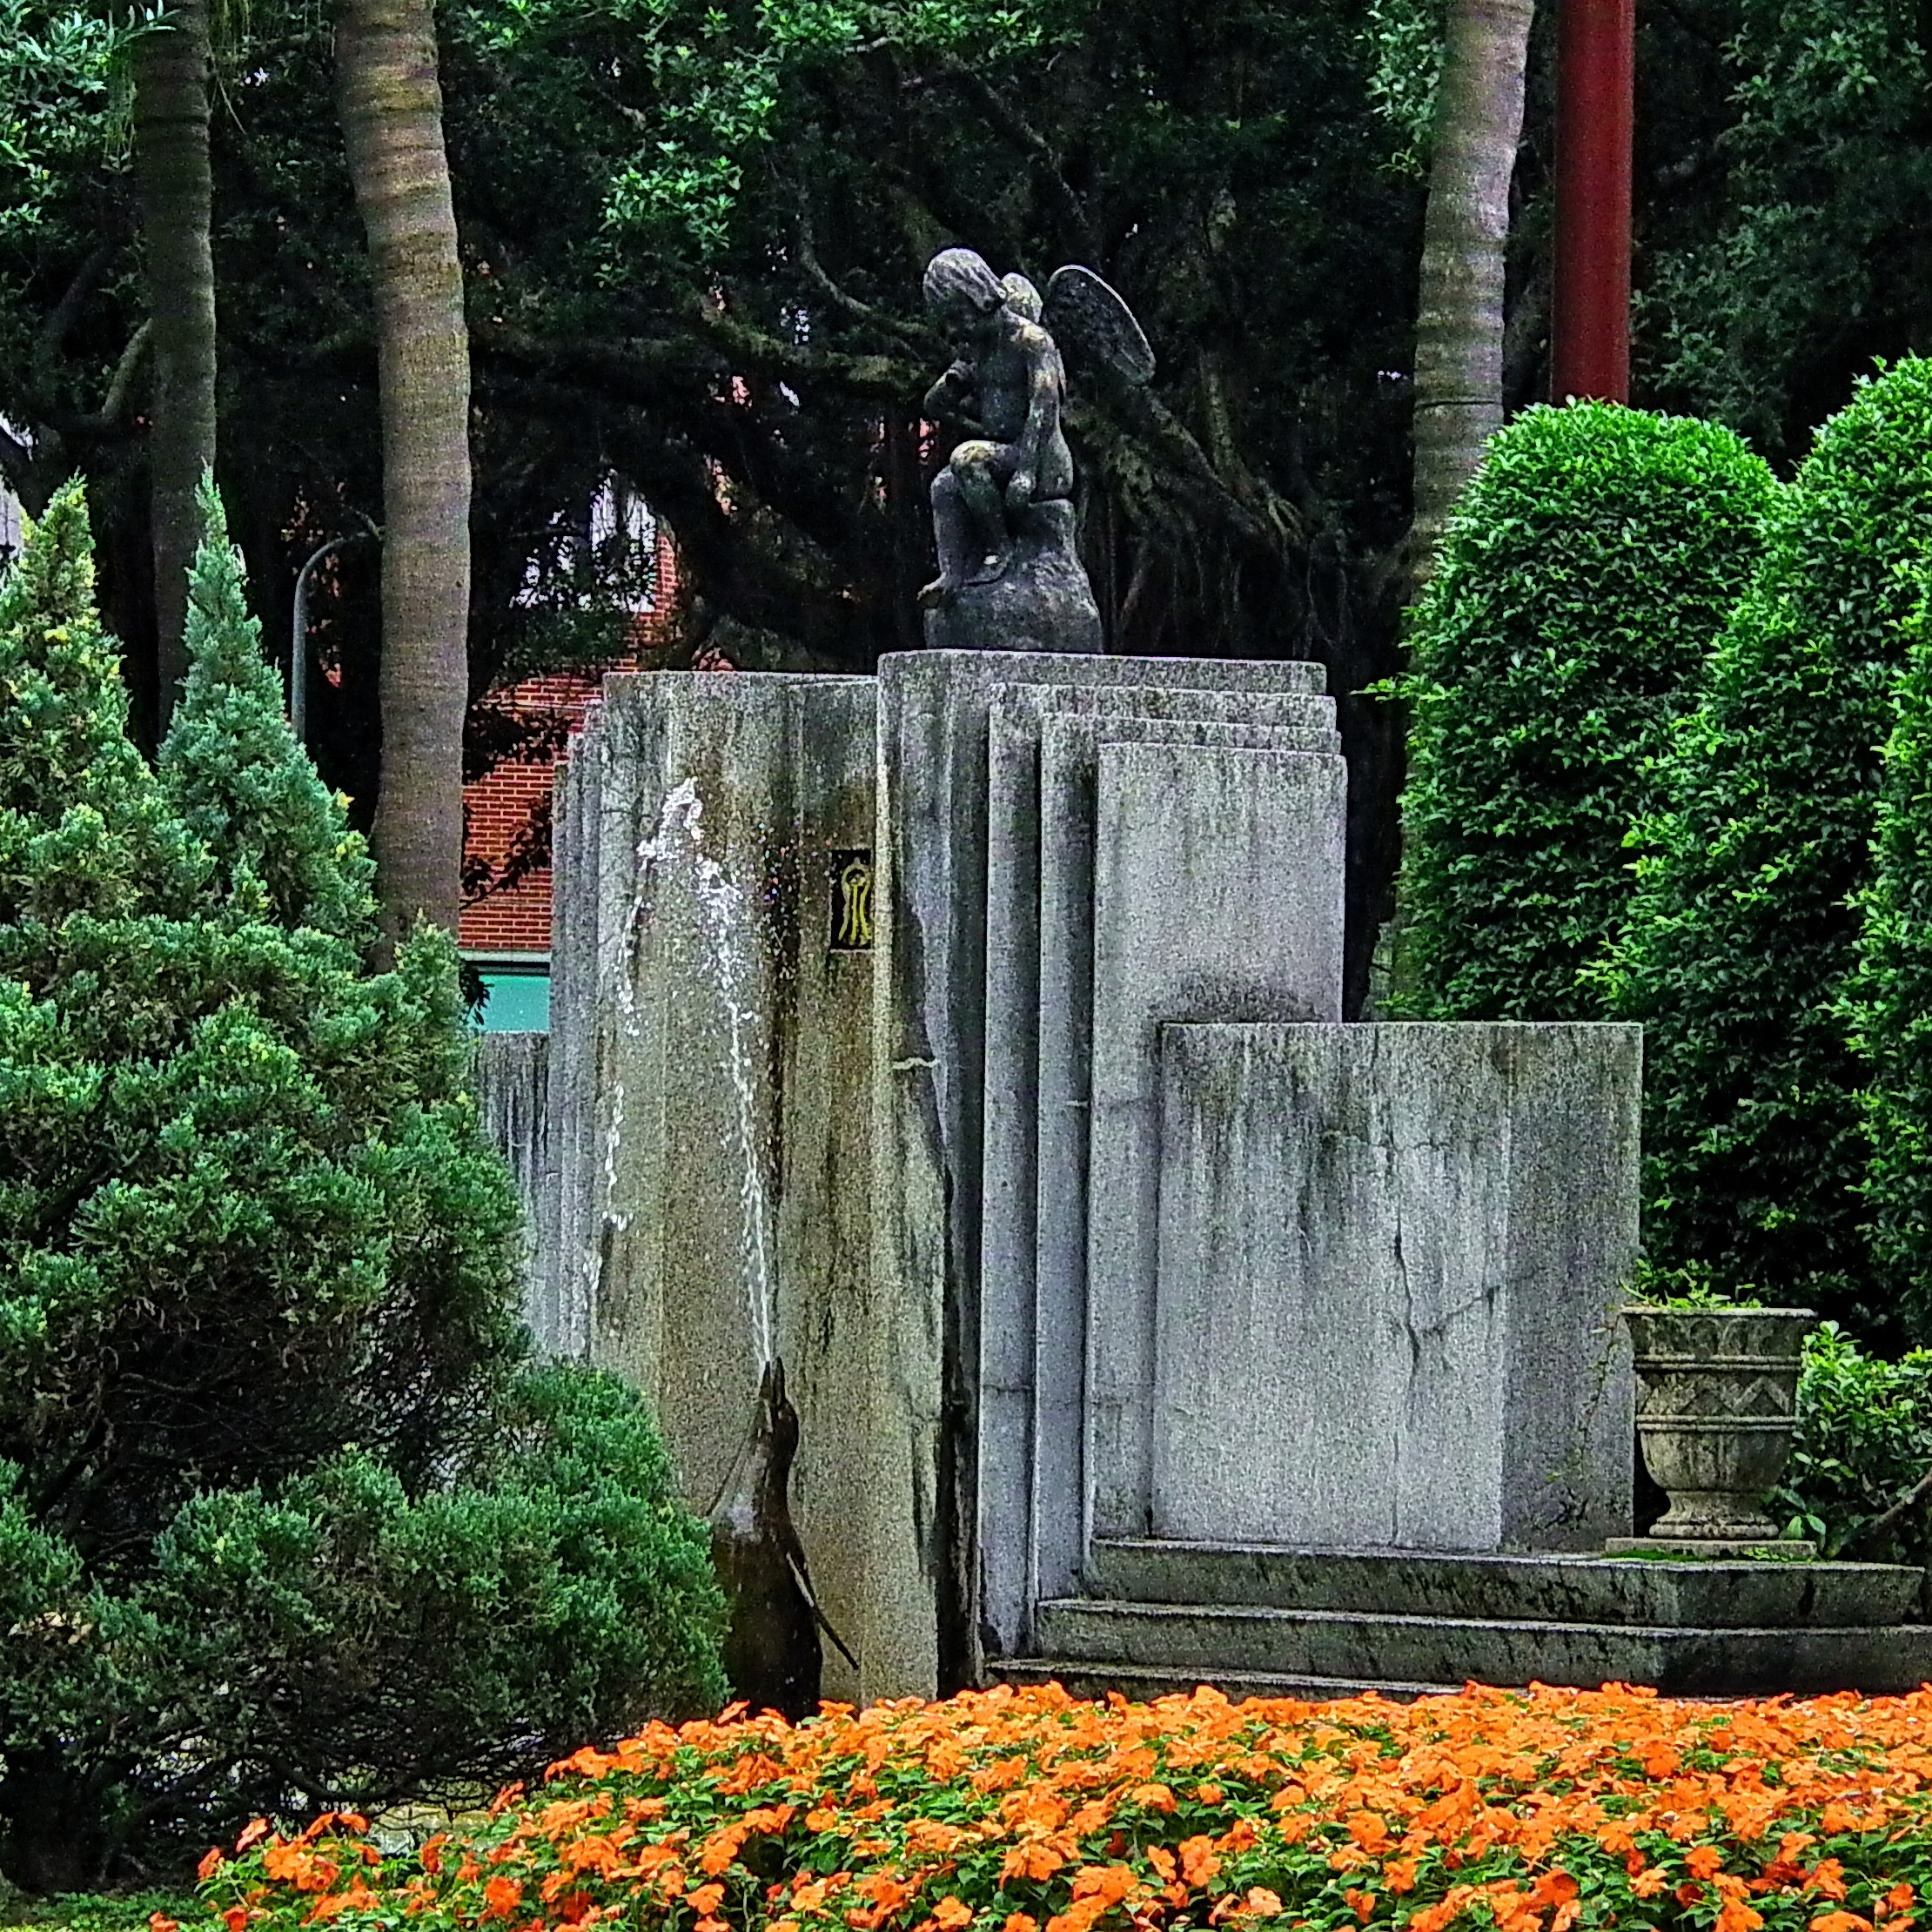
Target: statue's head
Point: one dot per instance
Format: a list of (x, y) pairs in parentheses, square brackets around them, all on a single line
[(960, 289)]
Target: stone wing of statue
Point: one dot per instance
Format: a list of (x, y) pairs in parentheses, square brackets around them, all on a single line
[(1092, 325)]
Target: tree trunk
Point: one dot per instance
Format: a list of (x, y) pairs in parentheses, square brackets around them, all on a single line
[(1458, 347), (171, 179), (391, 106)]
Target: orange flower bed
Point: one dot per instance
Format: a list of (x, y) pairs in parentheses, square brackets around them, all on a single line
[(1015, 1811)]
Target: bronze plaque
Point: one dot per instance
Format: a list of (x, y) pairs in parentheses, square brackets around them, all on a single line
[(852, 901)]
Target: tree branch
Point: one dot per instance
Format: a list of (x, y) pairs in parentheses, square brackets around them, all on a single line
[(1873, 1535), (864, 311), (1003, 120), (107, 419), (61, 316)]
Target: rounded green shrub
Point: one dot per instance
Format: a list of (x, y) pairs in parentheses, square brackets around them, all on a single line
[(1889, 1004), (1745, 926), (287, 1516), (1592, 563)]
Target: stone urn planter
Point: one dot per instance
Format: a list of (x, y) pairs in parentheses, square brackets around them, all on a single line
[(1716, 1396)]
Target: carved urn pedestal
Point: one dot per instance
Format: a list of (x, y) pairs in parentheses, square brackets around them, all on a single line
[(1716, 1402)]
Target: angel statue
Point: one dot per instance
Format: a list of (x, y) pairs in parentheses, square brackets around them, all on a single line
[(1010, 577)]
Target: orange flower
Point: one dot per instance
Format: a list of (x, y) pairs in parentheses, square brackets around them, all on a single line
[(212, 1863), (501, 1896), (1361, 1903), (252, 1834), (1021, 1921), (1198, 1864), (1704, 1861), (1370, 1830), (235, 1918), (1826, 1878), (1840, 1922), (950, 1915), (1039, 1859)]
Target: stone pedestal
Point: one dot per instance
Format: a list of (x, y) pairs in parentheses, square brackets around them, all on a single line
[(1041, 602), (938, 928), (972, 1036), (713, 1001), (1393, 1264)]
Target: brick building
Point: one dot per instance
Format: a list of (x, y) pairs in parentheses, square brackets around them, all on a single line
[(506, 921)]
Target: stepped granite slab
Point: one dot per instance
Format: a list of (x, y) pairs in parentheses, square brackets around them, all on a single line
[(929, 1052), (1209, 1640), (1017, 1333)]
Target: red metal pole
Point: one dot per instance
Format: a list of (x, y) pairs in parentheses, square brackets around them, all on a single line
[(1596, 71)]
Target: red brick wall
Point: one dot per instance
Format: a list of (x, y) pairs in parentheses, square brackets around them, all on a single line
[(506, 916)]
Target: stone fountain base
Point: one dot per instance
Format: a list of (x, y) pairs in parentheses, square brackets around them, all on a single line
[(1011, 1093)]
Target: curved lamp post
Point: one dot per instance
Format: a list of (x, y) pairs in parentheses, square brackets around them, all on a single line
[(298, 643)]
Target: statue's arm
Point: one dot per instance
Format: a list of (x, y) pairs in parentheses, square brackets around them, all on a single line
[(948, 398)]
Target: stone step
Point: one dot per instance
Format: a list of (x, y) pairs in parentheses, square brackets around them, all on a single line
[(1555, 1589), (1143, 1682), (1217, 1641)]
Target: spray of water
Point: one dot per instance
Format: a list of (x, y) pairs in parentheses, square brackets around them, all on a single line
[(725, 921)]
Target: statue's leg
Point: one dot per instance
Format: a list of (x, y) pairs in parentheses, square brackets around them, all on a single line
[(953, 537), (983, 470)]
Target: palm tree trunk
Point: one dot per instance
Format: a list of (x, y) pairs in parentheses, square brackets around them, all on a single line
[(172, 182), (391, 106), (1458, 350)]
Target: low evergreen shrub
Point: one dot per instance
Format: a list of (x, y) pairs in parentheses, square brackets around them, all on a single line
[(1863, 1443), (287, 1517), (1592, 563), (1744, 928)]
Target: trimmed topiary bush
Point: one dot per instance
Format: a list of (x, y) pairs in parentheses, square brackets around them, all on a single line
[(1745, 925), (1592, 563), (287, 1516), (1888, 1003)]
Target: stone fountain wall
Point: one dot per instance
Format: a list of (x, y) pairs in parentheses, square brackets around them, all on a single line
[(1072, 1206)]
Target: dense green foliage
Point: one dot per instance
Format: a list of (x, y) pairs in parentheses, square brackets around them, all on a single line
[(1888, 1006), (286, 1516), (1744, 927), (1864, 1439), (693, 237), (1786, 239), (1589, 567)]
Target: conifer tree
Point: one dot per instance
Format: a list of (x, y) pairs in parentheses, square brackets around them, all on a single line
[(286, 1515), (231, 765)]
